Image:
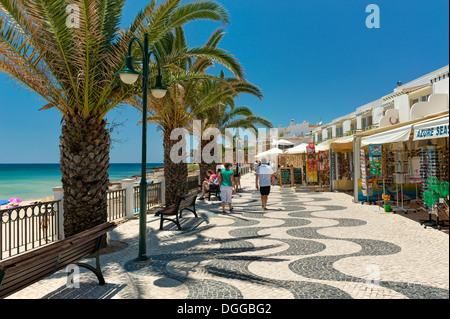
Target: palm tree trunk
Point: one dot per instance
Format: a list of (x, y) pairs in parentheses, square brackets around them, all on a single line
[(204, 166), (85, 146), (175, 174)]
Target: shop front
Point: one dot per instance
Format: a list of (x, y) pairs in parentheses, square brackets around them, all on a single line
[(342, 164), (309, 164), (432, 167), (395, 165)]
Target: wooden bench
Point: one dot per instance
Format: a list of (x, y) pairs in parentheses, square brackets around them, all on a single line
[(186, 202), (30, 267)]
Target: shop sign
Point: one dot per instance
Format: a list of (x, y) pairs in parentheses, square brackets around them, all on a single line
[(437, 131)]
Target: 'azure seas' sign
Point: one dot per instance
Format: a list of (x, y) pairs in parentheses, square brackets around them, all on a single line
[(430, 132)]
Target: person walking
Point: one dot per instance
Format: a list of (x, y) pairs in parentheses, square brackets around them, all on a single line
[(255, 166), (227, 186), (264, 179), (237, 178)]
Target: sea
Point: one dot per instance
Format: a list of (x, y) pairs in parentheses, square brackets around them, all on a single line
[(36, 181)]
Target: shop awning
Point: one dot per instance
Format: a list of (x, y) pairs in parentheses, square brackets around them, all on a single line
[(400, 134), (342, 144), (301, 149), (432, 129), (325, 145), (273, 151)]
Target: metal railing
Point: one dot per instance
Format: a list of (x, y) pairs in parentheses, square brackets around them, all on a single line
[(154, 196), (244, 169), (27, 227), (192, 183), (116, 204)]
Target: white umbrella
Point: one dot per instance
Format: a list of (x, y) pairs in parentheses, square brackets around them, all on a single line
[(272, 151), (300, 149), (282, 142)]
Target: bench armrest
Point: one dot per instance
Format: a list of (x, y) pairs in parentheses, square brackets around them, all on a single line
[(167, 209)]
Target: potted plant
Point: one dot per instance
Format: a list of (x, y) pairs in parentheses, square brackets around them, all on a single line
[(386, 198)]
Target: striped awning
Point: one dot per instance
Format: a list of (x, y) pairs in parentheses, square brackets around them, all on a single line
[(405, 91)]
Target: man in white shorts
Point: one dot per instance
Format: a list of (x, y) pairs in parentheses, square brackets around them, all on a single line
[(264, 178)]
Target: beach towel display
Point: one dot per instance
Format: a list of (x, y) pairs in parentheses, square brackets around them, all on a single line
[(311, 161), (375, 160), (311, 157), (323, 163), (375, 166), (323, 166)]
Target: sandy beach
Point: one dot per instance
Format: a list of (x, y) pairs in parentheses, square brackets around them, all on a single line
[(156, 174)]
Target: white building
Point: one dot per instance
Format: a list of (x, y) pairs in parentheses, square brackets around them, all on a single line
[(296, 130), (423, 96)]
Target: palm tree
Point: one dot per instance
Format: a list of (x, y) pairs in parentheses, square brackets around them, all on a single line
[(216, 99), (176, 110), (72, 69)]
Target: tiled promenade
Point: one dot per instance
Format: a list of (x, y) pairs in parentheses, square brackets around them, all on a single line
[(307, 245)]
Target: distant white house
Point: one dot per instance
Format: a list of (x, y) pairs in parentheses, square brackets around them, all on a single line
[(297, 133)]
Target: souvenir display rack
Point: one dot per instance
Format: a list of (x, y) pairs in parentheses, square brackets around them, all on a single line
[(339, 166), (333, 165), (349, 165), (366, 179), (433, 163), (401, 170)]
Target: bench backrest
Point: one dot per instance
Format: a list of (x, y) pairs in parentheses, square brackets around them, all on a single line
[(186, 201), (25, 269)]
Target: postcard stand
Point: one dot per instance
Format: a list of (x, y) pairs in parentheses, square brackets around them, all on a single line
[(401, 169)]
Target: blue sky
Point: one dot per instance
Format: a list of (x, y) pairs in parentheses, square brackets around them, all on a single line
[(314, 61)]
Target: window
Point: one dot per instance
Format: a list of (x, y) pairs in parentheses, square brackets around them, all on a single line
[(425, 98), (367, 121)]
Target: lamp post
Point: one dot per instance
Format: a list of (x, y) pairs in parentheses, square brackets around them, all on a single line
[(129, 76)]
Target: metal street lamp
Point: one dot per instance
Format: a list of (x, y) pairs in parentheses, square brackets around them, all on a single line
[(129, 76)]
